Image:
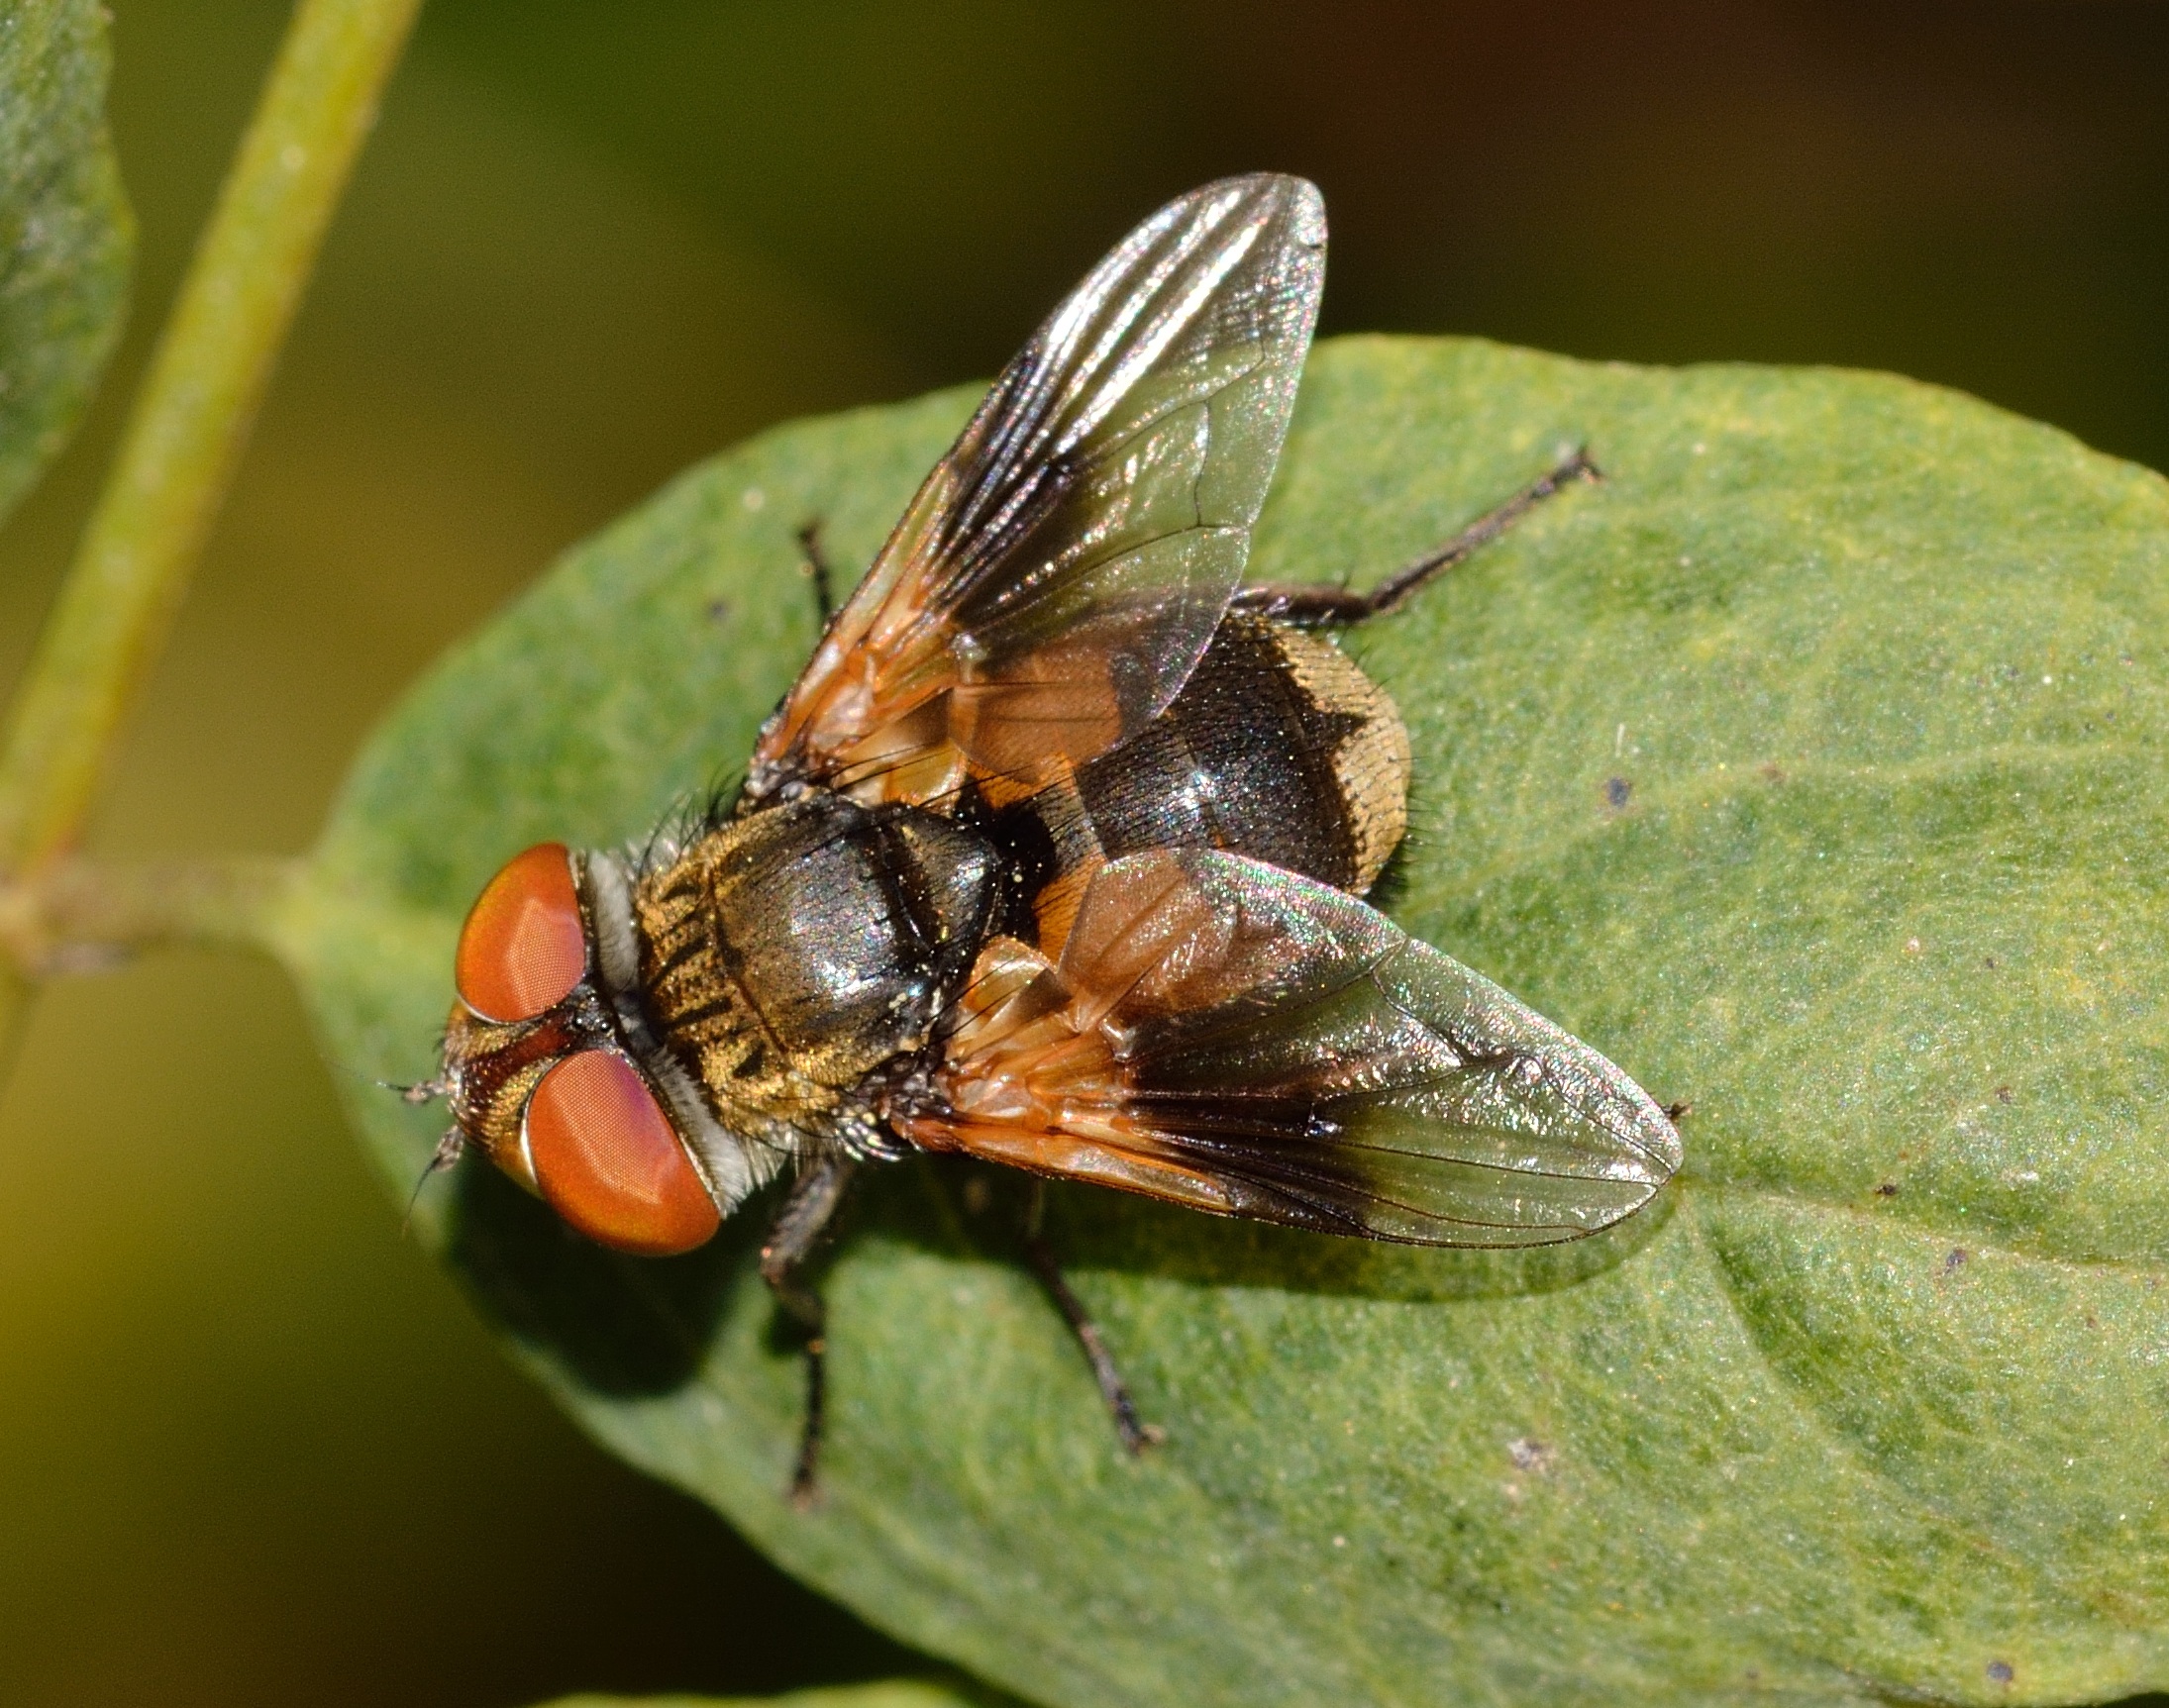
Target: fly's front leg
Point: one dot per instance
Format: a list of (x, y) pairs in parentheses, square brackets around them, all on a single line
[(813, 1201), (1136, 1435), (816, 567), (1321, 605)]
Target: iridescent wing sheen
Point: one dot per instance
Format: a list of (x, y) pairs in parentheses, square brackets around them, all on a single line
[(1063, 567), (1228, 1036)]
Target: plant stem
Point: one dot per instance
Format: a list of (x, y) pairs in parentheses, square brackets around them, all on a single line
[(191, 419), (83, 916)]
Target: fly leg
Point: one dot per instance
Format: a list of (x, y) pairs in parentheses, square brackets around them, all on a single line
[(1136, 1435), (815, 565), (1320, 604), (812, 1202)]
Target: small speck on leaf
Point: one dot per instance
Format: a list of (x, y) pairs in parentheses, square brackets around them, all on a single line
[(1616, 793), (2004, 1094), (1889, 1189), (1958, 1256), (2000, 1672), (1530, 1455)]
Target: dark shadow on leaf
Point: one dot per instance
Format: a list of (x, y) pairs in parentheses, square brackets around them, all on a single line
[(1391, 887), (626, 1328), (619, 1326), (1096, 1229)]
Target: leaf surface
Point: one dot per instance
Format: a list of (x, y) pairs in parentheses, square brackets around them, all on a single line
[(1811, 768), (65, 234)]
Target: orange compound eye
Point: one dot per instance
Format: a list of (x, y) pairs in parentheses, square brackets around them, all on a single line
[(609, 1161), (523, 946)]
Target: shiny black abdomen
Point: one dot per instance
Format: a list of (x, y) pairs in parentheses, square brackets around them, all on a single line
[(1277, 747), (1242, 760)]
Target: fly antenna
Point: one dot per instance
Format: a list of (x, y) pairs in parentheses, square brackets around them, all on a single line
[(422, 1092), (450, 1148)]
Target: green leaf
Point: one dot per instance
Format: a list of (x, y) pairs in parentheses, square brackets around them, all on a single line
[(894, 1693), (65, 234), (1810, 767)]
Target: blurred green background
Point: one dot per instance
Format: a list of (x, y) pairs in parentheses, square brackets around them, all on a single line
[(252, 1447)]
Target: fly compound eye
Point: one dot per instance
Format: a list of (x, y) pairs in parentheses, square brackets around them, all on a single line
[(523, 946), (609, 1161)]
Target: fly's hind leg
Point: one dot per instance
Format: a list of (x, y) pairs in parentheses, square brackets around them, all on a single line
[(816, 567), (813, 1201), (1136, 1435), (1322, 604)]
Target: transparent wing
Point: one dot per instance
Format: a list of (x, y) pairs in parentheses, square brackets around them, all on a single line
[(1063, 567), (1232, 1037)]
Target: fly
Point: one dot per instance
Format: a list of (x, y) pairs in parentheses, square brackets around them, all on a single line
[(1054, 857)]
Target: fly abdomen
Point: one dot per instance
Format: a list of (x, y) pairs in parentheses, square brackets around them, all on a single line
[(1278, 747)]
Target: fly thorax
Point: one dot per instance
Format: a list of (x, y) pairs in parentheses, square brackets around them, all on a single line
[(732, 1160), (792, 956)]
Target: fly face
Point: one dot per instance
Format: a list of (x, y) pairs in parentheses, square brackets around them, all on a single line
[(1053, 854), (542, 1072)]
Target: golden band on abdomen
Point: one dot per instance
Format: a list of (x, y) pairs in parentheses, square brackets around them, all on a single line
[(1277, 747)]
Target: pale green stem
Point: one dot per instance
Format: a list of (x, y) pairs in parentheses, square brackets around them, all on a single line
[(185, 433), (85, 916), (71, 916), (191, 419)]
